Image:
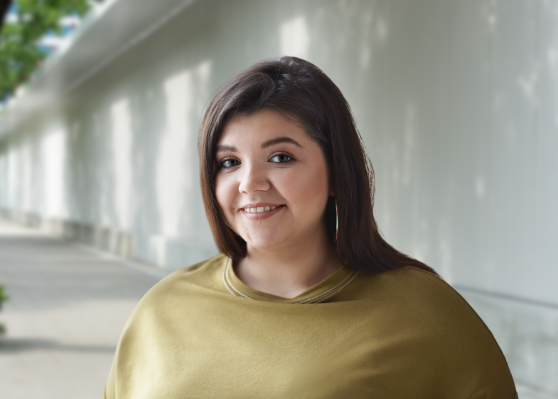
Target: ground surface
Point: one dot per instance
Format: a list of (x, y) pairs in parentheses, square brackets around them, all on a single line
[(67, 309)]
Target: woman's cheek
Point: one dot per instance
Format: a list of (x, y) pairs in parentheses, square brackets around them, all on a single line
[(313, 185), (224, 191), (289, 185)]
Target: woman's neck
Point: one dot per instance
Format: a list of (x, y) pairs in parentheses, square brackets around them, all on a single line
[(288, 272)]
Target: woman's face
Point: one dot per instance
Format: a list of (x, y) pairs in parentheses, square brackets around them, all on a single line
[(266, 162)]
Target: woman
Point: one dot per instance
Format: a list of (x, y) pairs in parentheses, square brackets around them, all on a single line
[(306, 299)]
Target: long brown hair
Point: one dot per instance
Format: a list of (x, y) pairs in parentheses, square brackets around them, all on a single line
[(302, 93)]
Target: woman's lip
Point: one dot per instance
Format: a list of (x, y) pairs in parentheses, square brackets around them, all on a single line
[(262, 215), (260, 205)]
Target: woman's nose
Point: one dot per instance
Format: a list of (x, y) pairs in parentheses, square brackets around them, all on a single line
[(253, 179)]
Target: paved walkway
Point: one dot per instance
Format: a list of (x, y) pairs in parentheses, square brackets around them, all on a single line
[(67, 309)]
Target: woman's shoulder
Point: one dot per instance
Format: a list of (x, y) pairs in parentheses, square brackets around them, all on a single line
[(442, 324), (412, 297), (412, 286), (202, 275), (426, 296), (420, 284)]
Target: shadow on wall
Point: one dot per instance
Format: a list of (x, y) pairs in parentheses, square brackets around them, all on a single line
[(144, 167)]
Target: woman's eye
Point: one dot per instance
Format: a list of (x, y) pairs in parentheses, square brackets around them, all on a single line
[(229, 163), (281, 158)]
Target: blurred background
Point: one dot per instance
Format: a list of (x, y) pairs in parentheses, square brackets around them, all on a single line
[(101, 101)]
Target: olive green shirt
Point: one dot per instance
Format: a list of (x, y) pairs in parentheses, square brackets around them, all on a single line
[(201, 333)]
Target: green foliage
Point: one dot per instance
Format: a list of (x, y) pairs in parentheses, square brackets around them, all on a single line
[(3, 295), (19, 54)]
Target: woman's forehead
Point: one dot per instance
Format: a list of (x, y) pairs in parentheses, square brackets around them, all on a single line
[(264, 128)]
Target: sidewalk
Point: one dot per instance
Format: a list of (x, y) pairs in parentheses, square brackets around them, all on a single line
[(67, 309)]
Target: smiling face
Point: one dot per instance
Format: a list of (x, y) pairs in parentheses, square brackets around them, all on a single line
[(265, 162)]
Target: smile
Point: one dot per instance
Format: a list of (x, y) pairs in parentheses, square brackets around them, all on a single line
[(259, 209), (262, 212)]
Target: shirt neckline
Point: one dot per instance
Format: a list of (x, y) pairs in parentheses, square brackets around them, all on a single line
[(315, 294)]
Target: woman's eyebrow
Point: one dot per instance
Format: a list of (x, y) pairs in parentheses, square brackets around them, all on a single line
[(282, 139), (268, 143), (224, 147)]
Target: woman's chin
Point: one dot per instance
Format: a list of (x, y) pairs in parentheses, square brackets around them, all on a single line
[(262, 245), (265, 242)]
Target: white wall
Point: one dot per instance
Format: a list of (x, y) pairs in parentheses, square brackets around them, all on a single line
[(456, 100)]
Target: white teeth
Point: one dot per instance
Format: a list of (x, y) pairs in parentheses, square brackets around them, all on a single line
[(260, 209)]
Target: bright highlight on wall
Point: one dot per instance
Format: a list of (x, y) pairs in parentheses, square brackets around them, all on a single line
[(295, 37), (122, 162), (53, 179)]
